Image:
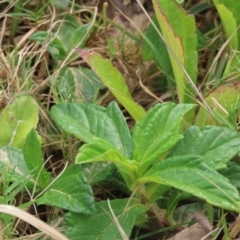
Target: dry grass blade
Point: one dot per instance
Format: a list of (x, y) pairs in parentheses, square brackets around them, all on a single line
[(33, 221), (123, 234)]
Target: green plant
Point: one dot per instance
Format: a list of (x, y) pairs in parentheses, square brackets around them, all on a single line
[(155, 158)]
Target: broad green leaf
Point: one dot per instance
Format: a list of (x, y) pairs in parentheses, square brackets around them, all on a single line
[(33, 158), (12, 165), (179, 31), (70, 191), (102, 225), (114, 80), (216, 145), (222, 102), (17, 120), (77, 84), (86, 121), (157, 132), (189, 174), (99, 150)]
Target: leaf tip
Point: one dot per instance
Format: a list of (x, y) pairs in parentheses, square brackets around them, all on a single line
[(83, 53)]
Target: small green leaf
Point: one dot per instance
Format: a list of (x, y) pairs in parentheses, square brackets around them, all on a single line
[(157, 132), (114, 80), (17, 120), (102, 226), (216, 145), (34, 160), (70, 191), (190, 175), (100, 150)]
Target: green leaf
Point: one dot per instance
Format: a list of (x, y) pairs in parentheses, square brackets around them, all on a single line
[(179, 31), (157, 132), (114, 80), (86, 121), (122, 130), (102, 226), (70, 191), (79, 85), (189, 174), (34, 160), (12, 165), (216, 145), (100, 150), (17, 120)]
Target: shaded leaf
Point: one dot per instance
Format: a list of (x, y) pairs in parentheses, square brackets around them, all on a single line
[(34, 160), (98, 171), (70, 191), (232, 173), (155, 48)]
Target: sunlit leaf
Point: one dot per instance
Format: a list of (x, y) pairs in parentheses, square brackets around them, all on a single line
[(17, 120), (114, 80)]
